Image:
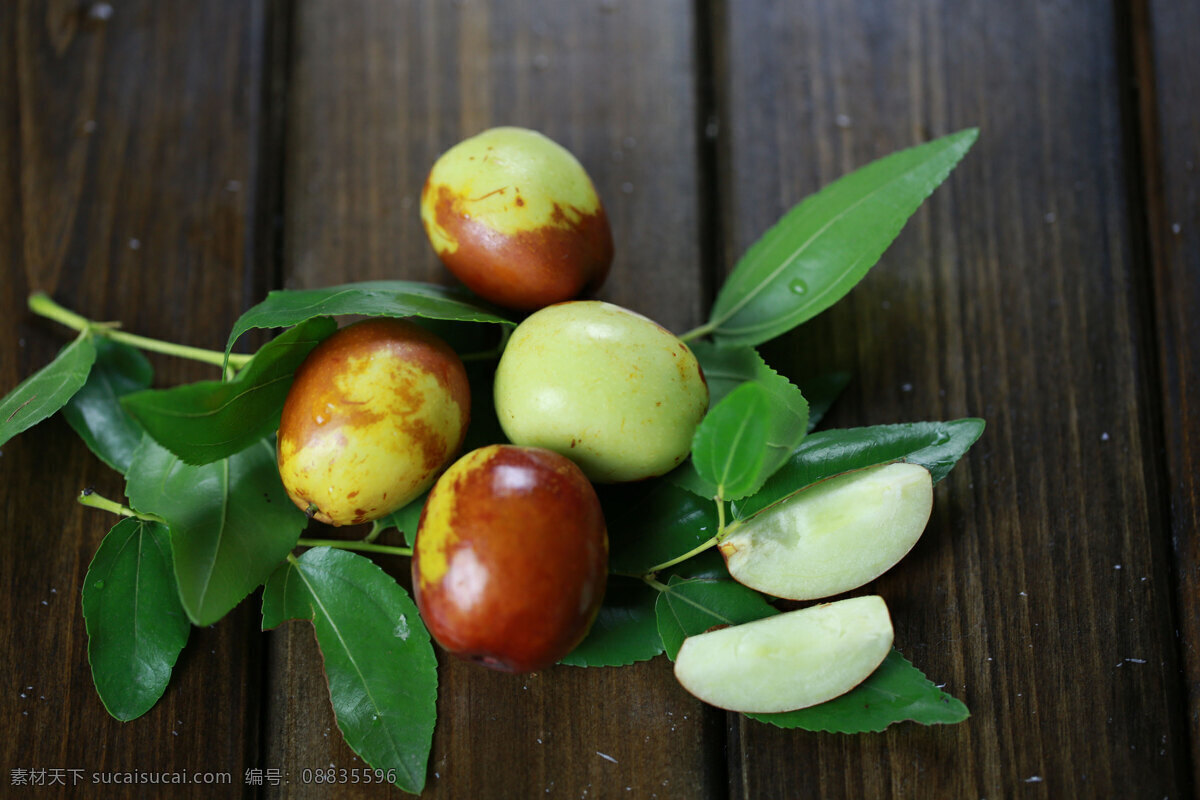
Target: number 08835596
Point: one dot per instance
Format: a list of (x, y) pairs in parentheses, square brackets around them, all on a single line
[(333, 775)]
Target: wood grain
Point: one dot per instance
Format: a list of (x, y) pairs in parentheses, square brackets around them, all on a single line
[(128, 138), (166, 164), (1165, 51), (378, 91), (1041, 592)]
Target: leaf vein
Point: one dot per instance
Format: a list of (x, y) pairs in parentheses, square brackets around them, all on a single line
[(358, 670)]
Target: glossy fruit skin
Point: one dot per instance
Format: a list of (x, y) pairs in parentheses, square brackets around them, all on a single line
[(373, 415), (511, 558), (610, 389), (516, 218)]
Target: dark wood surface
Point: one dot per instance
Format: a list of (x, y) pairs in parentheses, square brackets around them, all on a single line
[(129, 144), (166, 163), (1171, 137)]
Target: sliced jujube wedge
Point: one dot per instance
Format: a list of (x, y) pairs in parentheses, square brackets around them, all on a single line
[(787, 661), (833, 536)]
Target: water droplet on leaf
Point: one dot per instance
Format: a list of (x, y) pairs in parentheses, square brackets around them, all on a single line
[(797, 286)]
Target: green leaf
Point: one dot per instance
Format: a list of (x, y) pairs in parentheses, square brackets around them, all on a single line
[(788, 420), (136, 627), (652, 522), (726, 368), (625, 630), (378, 657), (48, 389), (95, 410), (405, 519), (685, 476), (825, 245), (206, 421), (896, 692), (708, 564), (742, 441), (935, 445), (730, 445), (690, 607), (231, 522), (287, 307), (821, 392)]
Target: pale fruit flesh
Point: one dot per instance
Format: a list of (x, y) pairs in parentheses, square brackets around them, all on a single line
[(833, 536), (606, 387), (788, 661), (374, 414)]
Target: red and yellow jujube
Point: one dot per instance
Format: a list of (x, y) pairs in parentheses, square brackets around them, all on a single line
[(511, 558), (373, 415)]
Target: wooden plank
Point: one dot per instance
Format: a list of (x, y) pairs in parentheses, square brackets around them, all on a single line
[(378, 91), (1165, 55), (1041, 592), (128, 146)]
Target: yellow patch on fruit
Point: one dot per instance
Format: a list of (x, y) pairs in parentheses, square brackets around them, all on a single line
[(512, 180), (380, 434), (438, 534)]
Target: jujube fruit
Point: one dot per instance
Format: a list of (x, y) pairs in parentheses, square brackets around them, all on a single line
[(373, 415), (610, 389), (516, 218), (511, 558)]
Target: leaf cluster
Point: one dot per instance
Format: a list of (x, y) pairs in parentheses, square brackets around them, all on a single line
[(655, 527), (208, 521)]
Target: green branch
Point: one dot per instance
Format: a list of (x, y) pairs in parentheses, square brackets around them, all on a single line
[(654, 584), (722, 532), (695, 551), (41, 304), (696, 333), (366, 547), (89, 498)]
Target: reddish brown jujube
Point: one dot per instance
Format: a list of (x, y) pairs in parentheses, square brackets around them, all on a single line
[(511, 558)]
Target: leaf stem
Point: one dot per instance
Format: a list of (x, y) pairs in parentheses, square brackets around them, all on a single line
[(41, 304), (377, 527), (217, 359), (695, 551), (366, 547), (697, 332), (89, 498), (722, 532), (654, 583)]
